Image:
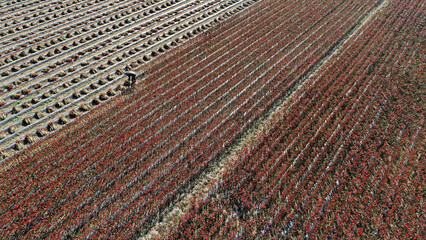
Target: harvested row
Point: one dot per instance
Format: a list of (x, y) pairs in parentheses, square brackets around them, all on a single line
[(38, 31), (9, 10), (121, 178), (340, 155)]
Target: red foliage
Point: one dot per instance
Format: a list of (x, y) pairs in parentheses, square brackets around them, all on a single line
[(337, 160)]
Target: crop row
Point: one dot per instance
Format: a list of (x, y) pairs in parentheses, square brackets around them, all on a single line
[(340, 155)]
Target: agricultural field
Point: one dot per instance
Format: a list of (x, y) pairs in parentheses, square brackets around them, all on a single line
[(272, 119)]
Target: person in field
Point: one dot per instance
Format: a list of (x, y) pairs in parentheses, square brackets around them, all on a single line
[(132, 77)]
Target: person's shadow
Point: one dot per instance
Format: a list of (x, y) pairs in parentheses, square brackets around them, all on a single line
[(129, 90)]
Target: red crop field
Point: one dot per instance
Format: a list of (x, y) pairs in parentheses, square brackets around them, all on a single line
[(288, 119)]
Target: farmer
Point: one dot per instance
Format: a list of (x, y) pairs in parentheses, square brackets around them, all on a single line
[(132, 76)]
